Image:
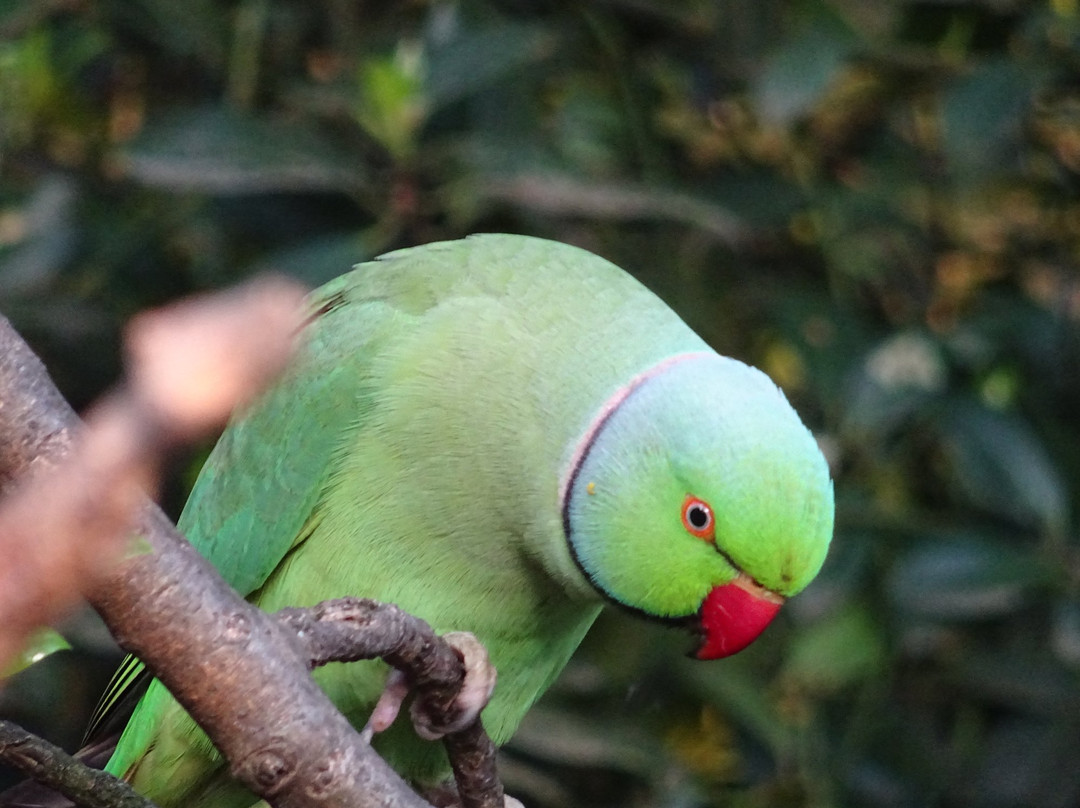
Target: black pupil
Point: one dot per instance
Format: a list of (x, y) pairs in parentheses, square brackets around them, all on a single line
[(698, 516)]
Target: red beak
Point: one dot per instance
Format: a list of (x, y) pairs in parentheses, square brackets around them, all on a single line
[(734, 615)]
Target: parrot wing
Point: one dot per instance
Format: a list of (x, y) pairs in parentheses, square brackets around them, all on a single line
[(256, 496)]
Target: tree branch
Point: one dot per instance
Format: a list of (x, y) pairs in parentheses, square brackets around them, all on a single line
[(562, 195), (55, 768), (348, 629), (230, 665)]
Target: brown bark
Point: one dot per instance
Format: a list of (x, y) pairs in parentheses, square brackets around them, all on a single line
[(55, 768), (242, 674)]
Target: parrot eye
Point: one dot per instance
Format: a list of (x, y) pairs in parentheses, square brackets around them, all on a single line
[(697, 518)]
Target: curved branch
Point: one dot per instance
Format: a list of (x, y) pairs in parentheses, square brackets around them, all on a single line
[(55, 768), (342, 630), (228, 663), (349, 629)]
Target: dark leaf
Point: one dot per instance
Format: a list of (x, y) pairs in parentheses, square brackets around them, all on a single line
[(797, 74), (1000, 465), (217, 151), (964, 577), (982, 117), (469, 60)]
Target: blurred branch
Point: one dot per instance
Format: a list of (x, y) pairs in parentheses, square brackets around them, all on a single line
[(559, 195), (65, 528), (232, 666)]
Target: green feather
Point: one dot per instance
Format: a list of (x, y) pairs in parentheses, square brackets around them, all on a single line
[(419, 452)]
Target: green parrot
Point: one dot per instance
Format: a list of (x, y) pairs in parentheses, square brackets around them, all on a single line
[(500, 435)]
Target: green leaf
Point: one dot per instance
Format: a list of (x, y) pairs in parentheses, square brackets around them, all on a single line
[(963, 577), (833, 653), (317, 260), (1000, 465), (219, 151), (42, 643), (796, 74), (764, 200), (896, 381), (471, 60), (392, 104), (198, 28), (1023, 679), (1026, 762), (982, 116)]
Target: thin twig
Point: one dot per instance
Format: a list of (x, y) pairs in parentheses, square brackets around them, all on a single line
[(569, 196), (53, 767)]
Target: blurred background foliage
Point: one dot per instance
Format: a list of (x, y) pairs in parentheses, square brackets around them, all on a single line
[(874, 200)]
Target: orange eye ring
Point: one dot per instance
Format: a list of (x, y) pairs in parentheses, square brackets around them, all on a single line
[(698, 519)]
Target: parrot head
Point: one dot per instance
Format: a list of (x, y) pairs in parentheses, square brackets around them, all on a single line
[(698, 497)]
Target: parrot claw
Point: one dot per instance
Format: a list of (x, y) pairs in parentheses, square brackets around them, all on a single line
[(474, 695), (430, 725), (388, 706)]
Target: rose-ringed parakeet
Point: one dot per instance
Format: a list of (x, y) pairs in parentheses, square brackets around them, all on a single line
[(500, 435)]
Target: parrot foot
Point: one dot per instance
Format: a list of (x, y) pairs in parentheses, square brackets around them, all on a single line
[(432, 724), (388, 706), (474, 695)]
